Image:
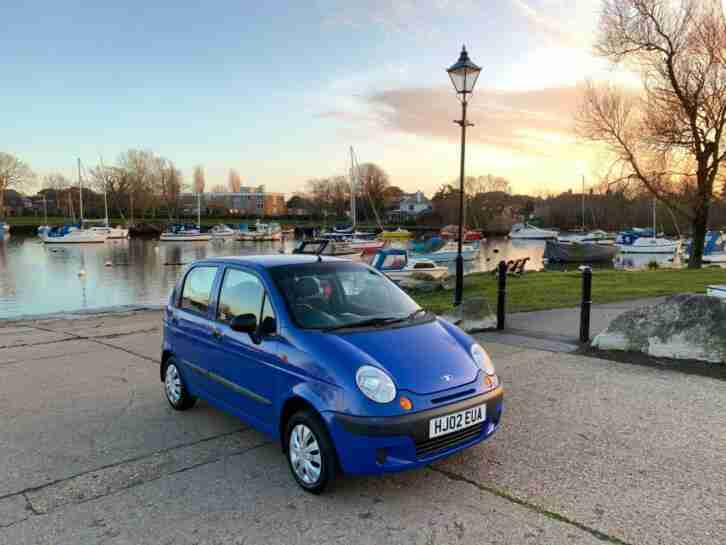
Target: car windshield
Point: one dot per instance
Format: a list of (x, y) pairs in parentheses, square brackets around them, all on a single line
[(337, 295)]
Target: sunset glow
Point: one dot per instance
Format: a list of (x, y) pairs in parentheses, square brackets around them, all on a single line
[(280, 93)]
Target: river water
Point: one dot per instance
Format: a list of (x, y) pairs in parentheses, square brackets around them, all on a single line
[(37, 279)]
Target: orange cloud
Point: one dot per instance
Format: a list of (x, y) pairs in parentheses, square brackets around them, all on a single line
[(525, 121)]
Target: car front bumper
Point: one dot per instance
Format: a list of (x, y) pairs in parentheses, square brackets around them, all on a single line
[(374, 445)]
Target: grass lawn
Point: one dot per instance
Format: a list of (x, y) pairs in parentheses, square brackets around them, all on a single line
[(545, 290)]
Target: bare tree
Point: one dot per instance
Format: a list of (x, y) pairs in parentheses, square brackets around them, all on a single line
[(171, 184), (372, 184), (13, 174), (55, 181), (234, 181), (667, 138), (198, 179)]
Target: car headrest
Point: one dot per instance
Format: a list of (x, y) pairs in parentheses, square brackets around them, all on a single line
[(307, 287)]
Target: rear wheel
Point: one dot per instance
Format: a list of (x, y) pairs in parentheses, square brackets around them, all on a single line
[(310, 452), (176, 391)]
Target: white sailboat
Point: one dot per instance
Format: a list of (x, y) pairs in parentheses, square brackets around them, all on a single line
[(630, 243), (187, 233), (71, 234), (111, 232)]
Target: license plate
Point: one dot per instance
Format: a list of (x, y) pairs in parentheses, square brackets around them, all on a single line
[(450, 423)]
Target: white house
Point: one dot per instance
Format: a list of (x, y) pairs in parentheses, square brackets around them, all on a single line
[(412, 204)]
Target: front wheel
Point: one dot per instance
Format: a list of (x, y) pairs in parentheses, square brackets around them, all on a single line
[(310, 452)]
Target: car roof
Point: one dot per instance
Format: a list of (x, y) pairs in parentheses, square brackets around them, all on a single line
[(267, 261)]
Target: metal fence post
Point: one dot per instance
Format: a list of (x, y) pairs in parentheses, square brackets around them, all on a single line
[(501, 294), (586, 304)]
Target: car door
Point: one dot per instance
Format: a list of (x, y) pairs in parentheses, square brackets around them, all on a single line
[(193, 327), (245, 365)]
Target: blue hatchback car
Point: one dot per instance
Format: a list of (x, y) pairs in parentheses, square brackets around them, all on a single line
[(331, 358)]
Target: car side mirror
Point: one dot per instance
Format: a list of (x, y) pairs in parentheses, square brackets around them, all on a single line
[(244, 323), (268, 326)]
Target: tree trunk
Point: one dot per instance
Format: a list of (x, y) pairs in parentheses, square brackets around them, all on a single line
[(699, 228)]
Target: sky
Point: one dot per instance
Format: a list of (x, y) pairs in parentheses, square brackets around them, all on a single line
[(281, 90)]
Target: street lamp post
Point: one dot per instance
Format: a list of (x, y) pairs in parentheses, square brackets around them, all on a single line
[(463, 74)]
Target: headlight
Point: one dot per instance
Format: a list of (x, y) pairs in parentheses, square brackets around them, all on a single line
[(480, 356), (375, 384)]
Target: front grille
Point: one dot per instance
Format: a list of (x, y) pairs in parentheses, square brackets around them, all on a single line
[(429, 447)]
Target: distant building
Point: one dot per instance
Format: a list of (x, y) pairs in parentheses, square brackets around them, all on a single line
[(410, 205), (249, 201)]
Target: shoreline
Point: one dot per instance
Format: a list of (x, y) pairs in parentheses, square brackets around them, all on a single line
[(82, 314)]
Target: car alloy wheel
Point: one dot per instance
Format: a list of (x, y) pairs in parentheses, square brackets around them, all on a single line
[(175, 388), (304, 452), (173, 384)]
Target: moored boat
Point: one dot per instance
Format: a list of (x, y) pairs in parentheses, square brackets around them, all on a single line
[(451, 232), (71, 234), (396, 264), (184, 233), (714, 249), (597, 236), (450, 250), (397, 234), (578, 252), (531, 232), (222, 231)]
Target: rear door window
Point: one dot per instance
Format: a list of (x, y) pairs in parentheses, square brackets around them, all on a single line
[(197, 290)]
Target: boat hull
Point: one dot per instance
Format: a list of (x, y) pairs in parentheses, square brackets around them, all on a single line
[(650, 246), (73, 238), (575, 252), (170, 237)]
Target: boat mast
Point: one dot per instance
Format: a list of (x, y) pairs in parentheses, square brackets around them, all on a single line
[(353, 174), (654, 224), (45, 210), (199, 211), (583, 203), (80, 191)]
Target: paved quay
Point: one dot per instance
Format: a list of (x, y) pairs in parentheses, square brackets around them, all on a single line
[(558, 330), (590, 451)]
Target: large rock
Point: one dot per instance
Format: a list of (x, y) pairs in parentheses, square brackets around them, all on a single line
[(473, 314), (685, 326)]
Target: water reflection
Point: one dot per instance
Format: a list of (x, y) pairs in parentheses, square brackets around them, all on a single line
[(38, 279)]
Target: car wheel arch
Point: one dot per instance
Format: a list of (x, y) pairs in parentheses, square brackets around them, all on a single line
[(165, 356), (292, 405)]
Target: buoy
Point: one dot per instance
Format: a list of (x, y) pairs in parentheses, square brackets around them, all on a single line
[(496, 250), (82, 272)]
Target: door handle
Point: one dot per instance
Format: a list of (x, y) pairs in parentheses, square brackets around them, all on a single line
[(216, 333)]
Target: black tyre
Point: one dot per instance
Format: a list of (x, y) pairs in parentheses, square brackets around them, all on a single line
[(310, 452), (174, 388)]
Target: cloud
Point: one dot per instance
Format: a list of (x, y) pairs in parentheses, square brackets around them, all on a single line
[(534, 122), (410, 18), (566, 23)]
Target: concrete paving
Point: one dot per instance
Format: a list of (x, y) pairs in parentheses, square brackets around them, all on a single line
[(590, 451), (564, 323)]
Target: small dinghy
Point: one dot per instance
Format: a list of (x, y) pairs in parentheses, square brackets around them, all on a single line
[(396, 265)]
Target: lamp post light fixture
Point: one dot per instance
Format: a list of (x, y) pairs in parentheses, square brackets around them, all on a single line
[(463, 74)]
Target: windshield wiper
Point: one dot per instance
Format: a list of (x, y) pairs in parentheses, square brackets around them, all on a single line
[(378, 320), (407, 318)]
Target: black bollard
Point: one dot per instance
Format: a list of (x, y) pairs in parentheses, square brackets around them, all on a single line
[(586, 304), (501, 294)]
